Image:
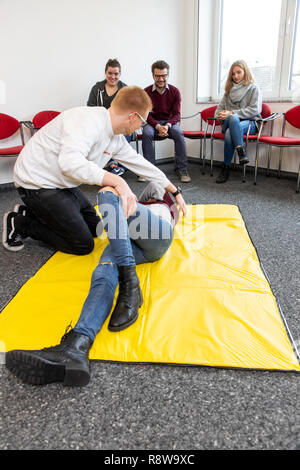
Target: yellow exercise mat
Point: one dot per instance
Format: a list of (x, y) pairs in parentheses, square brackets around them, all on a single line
[(206, 302)]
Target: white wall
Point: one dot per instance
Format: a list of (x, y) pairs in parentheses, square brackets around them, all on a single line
[(52, 53), (56, 51)]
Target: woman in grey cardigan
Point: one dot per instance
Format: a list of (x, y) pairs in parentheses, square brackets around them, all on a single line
[(241, 102)]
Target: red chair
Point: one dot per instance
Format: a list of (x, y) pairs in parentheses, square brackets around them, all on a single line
[(39, 120), (8, 127), (207, 117), (266, 117), (292, 116)]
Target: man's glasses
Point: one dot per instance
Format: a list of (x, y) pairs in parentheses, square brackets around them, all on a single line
[(161, 76), (142, 119)]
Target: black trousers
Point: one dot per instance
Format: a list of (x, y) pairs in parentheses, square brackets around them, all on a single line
[(62, 218)]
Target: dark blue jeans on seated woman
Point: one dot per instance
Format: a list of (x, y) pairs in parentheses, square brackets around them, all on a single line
[(143, 238), (234, 130)]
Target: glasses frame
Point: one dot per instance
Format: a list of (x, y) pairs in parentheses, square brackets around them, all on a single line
[(141, 118)]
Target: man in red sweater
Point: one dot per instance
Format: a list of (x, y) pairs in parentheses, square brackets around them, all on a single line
[(164, 119)]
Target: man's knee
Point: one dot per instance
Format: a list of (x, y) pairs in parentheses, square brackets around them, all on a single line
[(175, 132), (82, 247), (148, 132)]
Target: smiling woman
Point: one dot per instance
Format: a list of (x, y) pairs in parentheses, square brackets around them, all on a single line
[(103, 93), (241, 102)]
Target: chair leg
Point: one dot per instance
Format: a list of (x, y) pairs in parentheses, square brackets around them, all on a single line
[(244, 173), (203, 157), (280, 162), (211, 157), (269, 160), (234, 159), (256, 163), (201, 152)]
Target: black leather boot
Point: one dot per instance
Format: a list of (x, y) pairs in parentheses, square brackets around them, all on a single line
[(129, 300), (224, 174), (67, 362), (243, 159)]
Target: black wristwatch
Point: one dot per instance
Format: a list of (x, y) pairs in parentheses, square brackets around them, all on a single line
[(178, 191)]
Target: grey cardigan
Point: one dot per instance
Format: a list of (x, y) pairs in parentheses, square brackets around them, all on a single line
[(249, 107)]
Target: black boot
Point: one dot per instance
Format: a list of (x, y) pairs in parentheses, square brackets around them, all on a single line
[(224, 174), (67, 362), (243, 159), (129, 300)]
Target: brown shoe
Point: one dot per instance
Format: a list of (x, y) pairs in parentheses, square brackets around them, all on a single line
[(183, 176)]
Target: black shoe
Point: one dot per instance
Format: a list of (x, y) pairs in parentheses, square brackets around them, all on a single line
[(67, 362), (224, 174), (20, 209), (11, 239), (129, 300), (243, 159)]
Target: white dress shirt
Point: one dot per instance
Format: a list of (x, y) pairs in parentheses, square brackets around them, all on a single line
[(73, 149)]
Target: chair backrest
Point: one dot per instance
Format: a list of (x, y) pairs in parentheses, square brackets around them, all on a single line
[(43, 117), (265, 111), (293, 116), (209, 113), (8, 126)]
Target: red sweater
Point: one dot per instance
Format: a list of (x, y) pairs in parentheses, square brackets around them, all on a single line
[(166, 107)]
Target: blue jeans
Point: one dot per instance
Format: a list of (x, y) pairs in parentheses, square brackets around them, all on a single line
[(234, 130), (176, 134), (143, 238)]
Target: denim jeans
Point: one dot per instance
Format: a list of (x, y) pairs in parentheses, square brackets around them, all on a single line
[(176, 134), (143, 238), (234, 130), (62, 218)]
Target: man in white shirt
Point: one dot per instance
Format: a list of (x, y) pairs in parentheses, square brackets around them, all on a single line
[(68, 362), (73, 149), (69, 151)]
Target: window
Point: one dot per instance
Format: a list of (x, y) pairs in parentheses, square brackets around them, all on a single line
[(294, 82), (264, 33)]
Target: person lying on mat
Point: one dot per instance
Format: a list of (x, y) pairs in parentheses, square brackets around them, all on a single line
[(241, 102), (143, 237), (71, 150)]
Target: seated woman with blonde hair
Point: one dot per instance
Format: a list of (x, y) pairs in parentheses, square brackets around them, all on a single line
[(241, 103)]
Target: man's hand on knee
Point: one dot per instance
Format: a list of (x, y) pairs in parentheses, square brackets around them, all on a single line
[(128, 198)]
